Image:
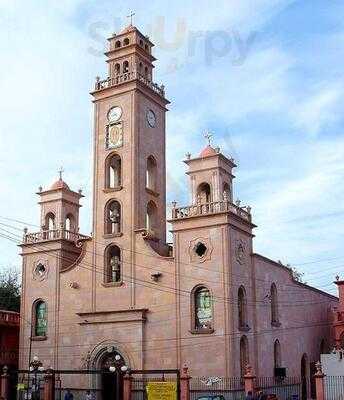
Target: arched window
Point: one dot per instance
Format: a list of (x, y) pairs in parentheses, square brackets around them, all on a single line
[(112, 264), (226, 192), (322, 348), (113, 217), (141, 42), (146, 47), (40, 318), (117, 69), (274, 305), (125, 66), (277, 354), (117, 44), (69, 223), (244, 355), (146, 72), (151, 216), (204, 193), (126, 41), (242, 309), (140, 67), (151, 173), (50, 221), (202, 309), (113, 171)]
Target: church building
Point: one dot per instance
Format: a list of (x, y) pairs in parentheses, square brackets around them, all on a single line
[(206, 300)]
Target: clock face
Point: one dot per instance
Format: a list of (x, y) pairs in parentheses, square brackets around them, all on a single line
[(114, 114), (151, 118)]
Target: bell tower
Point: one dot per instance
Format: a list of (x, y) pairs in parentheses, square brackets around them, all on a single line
[(129, 155), (210, 176)]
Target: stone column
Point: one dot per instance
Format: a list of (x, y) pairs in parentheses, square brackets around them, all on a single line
[(49, 385), (127, 387), (249, 378), (319, 382), (185, 384), (5, 383)]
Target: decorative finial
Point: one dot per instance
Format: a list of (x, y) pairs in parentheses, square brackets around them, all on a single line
[(40, 189), (61, 171), (188, 156), (131, 17), (208, 135), (337, 277)]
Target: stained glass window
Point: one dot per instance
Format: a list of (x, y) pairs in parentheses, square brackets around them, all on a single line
[(203, 309), (41, 319)]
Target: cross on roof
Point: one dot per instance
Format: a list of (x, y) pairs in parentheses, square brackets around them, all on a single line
[(61, 171), (131, 17), (209, 137)]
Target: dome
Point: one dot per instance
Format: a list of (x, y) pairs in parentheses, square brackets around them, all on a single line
[(208, 151), (128, 29), (60, 184)]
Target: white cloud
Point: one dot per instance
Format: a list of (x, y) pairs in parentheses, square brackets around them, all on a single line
[(320, 109)]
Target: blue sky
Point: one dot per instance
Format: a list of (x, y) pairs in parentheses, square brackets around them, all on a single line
[(264, 76)]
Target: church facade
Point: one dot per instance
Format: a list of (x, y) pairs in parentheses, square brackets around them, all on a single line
[(207, 299)]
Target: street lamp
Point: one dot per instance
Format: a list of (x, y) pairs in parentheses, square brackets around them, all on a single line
[(118, 367), (36, 366)]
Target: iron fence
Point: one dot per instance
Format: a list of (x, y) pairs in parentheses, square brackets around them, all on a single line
[(288, 388), (141, 380), (228, 388), (334, 387)]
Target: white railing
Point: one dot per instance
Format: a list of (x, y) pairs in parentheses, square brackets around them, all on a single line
[(53, 234), (128, 76), (214, 207)]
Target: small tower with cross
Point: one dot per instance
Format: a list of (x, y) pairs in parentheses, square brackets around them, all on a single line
[(210, 174), (60, 206)]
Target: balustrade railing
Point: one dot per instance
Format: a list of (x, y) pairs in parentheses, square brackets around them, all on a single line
[(8, 356), (53, 234), (8, 317), (128, 76), (214, 207)]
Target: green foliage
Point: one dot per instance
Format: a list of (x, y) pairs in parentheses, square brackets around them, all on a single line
[(9, 290)]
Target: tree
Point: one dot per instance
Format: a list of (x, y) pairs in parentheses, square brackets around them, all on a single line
[(297, 275), (10, 290)]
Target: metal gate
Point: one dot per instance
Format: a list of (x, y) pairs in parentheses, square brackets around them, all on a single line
[(222, 388), (142, 378)]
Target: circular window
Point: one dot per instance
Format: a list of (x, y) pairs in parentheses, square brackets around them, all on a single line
[(200, 249)]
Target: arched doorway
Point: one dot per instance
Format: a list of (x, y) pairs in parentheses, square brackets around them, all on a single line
[(304, 368), (111, 382)]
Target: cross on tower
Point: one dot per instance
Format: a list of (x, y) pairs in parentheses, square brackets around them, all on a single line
[(61, 171), (209, 137), (131, 17)]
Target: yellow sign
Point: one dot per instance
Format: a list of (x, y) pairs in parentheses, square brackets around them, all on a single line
[(162, 391)]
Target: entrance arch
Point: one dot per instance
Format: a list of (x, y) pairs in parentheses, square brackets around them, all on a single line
[(109, 385)]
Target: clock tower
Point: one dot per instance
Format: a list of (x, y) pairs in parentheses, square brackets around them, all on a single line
[(129, 158)]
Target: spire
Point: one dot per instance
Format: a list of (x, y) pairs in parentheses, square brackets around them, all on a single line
[(208, 150), (131, 17), (60, 184)]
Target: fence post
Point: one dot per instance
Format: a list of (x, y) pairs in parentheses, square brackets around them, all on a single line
[(5, 383), (319, 382), (249, 380), (127, 386), (185, 384), (49, 385)]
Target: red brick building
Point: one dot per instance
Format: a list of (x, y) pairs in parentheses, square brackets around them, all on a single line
[(9, 338)]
